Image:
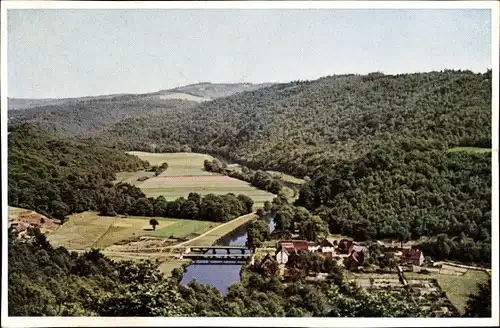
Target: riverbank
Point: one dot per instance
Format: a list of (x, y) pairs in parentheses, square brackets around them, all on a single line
[(210, 237)]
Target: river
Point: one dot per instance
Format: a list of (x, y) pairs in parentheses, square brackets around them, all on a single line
[(220, 275)]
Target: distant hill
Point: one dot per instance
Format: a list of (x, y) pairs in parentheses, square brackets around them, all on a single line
[(300, 126), (83, 117), (193, 92), (218, 90)]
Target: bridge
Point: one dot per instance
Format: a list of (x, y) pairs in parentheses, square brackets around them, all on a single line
[(203, 253), (205, 249), (218, 257)]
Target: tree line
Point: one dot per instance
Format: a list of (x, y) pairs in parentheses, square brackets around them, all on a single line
[(258, 178), (217, 208)]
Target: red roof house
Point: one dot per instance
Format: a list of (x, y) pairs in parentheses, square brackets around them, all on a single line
[(412, 256), (345, 245)]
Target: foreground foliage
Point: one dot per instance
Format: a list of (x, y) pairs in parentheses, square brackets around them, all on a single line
[(47, 281)]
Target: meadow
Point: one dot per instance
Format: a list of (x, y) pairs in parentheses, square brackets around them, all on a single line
[(89, 230), (184, 229), (185, 174)]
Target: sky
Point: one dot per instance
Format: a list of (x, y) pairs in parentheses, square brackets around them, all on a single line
[(56, 53)]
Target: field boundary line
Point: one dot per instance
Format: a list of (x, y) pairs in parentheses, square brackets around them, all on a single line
[(212, 230), (105, 232)]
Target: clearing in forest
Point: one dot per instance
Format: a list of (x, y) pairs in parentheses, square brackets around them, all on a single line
[(89, 230), (470, 149), (185, 174), (179, 164)]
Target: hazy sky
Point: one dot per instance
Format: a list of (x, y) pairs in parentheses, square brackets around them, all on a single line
[(71, 53)]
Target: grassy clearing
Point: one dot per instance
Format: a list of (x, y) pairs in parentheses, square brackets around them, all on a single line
[(470, 149), (179, 164), (287, 177), (89, 230), (184, 228), (458, 288), (183, 96), (185, 174), (222, 230)]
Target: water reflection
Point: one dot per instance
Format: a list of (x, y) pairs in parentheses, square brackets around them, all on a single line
[(217, 274)]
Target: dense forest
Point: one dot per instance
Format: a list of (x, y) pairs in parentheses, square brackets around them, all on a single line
[(57, 176), (375, 149), (86, 116), (83, 118), (300, 126), (407, 190), (68, 284)]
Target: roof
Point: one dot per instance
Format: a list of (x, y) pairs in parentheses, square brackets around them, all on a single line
[(19, 226), (325, 243), (284, 250), (294, 245), (357, 248), (412, 253), (265, 259)]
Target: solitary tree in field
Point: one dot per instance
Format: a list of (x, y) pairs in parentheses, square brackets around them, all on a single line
[(154, 223)]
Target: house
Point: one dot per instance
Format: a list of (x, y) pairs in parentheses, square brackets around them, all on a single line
[(287, 247), (19, 226), (345, 245), (326, 247), (357, 256), (282, 255), (412, 256)]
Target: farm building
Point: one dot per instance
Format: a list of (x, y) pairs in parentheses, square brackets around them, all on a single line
[(345, 245), (357, 256), (19, 226), (412, 256), (285, 248)]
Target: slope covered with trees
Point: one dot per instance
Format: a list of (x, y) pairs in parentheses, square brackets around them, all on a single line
[(56, 176), (299, 126), (406, 190), (82, 117)]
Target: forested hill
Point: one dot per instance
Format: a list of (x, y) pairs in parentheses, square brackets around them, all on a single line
[(299, 126), (56, 176), (84, 117)]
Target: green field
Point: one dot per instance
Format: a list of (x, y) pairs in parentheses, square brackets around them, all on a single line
[(179, 164), (184, 229), (185, 174), (470, 149), (89, 230), (458, 288)]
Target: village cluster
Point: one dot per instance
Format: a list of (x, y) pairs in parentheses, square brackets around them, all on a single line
[(349, 253)]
